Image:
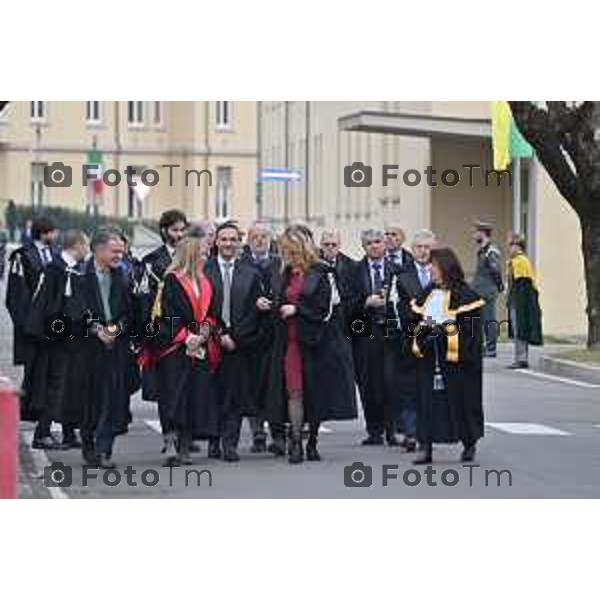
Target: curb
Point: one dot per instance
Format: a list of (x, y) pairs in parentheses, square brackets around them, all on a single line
[(569, 369)]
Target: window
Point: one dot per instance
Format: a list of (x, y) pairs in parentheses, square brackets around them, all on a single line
[(135, 112), (37, 184), (92, 111), (223, 192), (3, 110), (38, 110), (157, 114), (223, 115)]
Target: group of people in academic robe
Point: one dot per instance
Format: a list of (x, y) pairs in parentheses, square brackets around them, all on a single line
[(281, 332)]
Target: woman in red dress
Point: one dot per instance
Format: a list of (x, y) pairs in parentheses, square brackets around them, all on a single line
[(311, 375)]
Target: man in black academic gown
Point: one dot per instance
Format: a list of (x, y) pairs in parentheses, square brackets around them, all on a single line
[(107, 301), (236, 290), (57, 364), (26, 265), (331, 252), (172, 225), (258, 252), (375, 346), (413, 278), (398, 256)]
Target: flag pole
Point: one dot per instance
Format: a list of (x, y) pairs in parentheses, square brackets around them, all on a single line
[(516, 195)]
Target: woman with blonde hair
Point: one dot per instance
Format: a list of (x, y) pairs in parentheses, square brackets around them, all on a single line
[(311, 374), (187, 351)]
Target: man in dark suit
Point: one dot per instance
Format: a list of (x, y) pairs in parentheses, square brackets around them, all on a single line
[(172, 225), (373, 349), (413, 278), (236, 291), (107, 300), (395, 253), (26, 265)]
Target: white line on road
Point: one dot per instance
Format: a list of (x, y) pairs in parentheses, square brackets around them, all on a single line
[(558, 379), (155, 425), (40, 462), (527, 429)]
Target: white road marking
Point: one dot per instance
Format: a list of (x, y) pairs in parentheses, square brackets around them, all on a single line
[(583, 384), (527, 429), (155, 425), (40, 462)]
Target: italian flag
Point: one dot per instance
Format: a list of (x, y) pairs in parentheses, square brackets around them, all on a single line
[(96, 169), (507, 141)]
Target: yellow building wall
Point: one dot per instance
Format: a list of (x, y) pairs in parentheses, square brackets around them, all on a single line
[(559, 263)]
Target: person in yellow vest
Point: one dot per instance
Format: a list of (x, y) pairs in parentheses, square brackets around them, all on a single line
[(525, 316)]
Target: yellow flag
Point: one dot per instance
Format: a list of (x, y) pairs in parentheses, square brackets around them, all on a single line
[(501, 124)]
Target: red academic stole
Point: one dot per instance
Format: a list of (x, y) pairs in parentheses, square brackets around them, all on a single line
[(200, 305)]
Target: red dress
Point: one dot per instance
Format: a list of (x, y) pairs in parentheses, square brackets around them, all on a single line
[(293, 355)]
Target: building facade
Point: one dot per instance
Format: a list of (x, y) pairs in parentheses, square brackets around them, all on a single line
[(219, 138), (322, 139)]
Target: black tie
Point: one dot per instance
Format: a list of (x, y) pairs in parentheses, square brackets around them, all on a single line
[(377, 278)]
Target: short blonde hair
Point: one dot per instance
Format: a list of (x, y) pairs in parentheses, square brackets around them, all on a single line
[(297, 241)]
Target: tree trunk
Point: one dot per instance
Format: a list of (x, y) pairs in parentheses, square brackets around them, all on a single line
[(590, 245)]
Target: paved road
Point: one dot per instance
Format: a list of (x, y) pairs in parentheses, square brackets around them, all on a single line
[(545, 432)]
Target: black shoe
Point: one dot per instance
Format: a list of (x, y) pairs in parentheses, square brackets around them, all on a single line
[(277, 447), (90, 458), (230, 455), (372, 441), (45, 443), (194, 448), (519, 364), (172, 461), (259, 446), (423, 458), (468, 454), (214, 449), (296, 454), (104, 462), (392, 440), (312, 454), (409, 445)]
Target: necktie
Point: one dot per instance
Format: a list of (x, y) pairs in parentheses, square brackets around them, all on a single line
[(226, 309), (424, 276), (377, 278), (104, 284)]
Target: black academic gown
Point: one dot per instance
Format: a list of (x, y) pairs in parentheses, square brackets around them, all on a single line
[(106, 384), (58, 363), (260, 363), (377, 352), (327, 378), (237, 390), (149, 275), (456, 412), (25, 268), (187, 389)]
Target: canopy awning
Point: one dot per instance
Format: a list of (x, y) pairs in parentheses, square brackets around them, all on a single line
[(417, 125)]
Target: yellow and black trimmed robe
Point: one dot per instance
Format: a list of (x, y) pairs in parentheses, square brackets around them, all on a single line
[(523, 298), (455, 413)]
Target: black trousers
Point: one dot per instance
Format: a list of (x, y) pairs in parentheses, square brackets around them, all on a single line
[(374, 362)]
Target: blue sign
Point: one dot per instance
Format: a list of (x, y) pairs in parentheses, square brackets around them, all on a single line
[(278, 174)]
